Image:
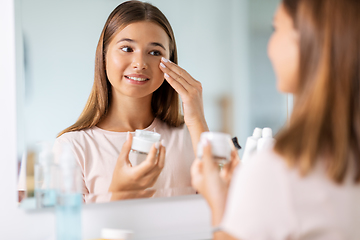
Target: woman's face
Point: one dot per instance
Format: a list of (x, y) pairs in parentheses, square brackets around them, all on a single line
[(283, 51), (133, 57)]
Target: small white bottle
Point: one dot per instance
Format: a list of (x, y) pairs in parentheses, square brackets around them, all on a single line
[(251, 144), (220, 146), (116, 234), (141, 145), (267, 141)]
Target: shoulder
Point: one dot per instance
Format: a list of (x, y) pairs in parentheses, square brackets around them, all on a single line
[(74, 135), (266, 164), (260, 199), (265, 170), (82, 138), (268, 174), (82, 142)]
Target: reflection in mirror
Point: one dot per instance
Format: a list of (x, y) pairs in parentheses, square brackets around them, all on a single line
[(55, 59)]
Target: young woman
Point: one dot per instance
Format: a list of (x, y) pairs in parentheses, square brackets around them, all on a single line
[(129, 93), (308, 186)]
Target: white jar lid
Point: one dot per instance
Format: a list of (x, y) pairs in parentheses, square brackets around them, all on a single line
[(143, 140), (220, 144), (118, 234)]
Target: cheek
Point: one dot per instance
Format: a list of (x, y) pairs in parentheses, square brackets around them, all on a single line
[(156, 71), (283, 54), (270, 48), (114, 65)]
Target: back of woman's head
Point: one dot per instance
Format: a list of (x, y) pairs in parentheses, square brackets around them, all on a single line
[(325, 123), (165, 100)]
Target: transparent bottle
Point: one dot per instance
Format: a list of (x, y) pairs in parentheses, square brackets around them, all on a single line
[(45, 176), (69, 196), (141, 145), (220, 146)]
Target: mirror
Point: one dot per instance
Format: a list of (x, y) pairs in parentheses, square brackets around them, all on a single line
[(217, 44)]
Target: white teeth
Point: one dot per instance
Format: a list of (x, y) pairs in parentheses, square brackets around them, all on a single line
[(137, 79)]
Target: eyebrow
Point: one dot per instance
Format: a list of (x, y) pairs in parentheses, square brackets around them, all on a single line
[(132, 41)]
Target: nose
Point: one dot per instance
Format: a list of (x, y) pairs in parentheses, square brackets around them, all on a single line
[(139, 62)]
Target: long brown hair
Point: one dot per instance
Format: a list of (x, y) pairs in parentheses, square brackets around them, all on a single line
[(325, 123), (165, 101)]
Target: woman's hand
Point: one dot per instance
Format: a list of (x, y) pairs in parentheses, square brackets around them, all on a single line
[(190, 91), (212, 183), (129, 178), (227, 171)]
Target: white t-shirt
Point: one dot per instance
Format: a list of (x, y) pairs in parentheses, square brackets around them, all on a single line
[(97, 150), (268, 200)]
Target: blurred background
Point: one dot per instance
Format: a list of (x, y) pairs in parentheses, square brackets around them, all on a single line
[(222, 43)]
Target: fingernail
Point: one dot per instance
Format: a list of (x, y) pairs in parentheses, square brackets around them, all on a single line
[(127, 136), (162, 65), (164, 59), (166, 75), (162, 142), (157, 145)]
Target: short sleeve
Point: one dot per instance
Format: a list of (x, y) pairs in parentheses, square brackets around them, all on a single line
[(259, 200)]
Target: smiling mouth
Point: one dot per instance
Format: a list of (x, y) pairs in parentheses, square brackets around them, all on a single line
[(137, 79)]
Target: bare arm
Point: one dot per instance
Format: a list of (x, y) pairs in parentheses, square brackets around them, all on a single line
[(190, 91)]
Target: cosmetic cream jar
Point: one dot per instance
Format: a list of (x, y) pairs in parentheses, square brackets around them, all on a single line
[(143, 141), (141, 145), (220, 146)]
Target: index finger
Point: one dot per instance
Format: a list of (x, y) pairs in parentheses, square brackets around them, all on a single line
[(176, 69)]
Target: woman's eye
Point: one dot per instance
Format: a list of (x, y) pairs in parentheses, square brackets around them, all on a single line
[(155, 53), (126, 49)]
